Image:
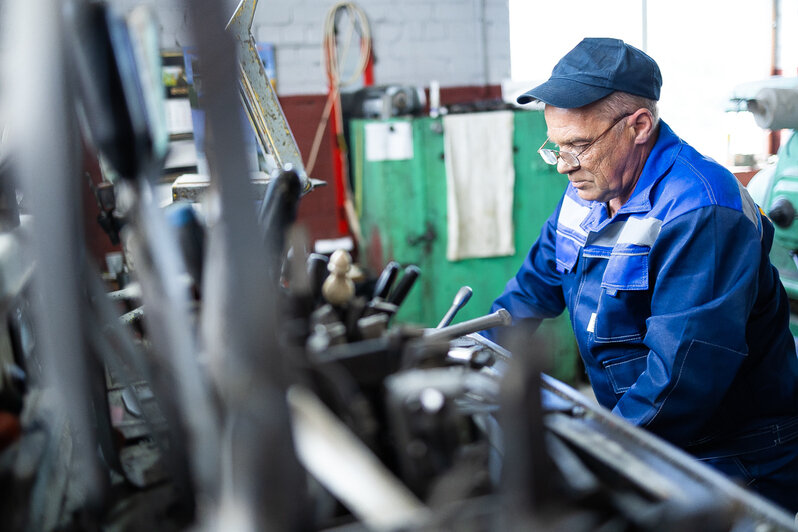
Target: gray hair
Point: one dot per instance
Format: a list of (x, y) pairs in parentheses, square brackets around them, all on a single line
[(619, 103)]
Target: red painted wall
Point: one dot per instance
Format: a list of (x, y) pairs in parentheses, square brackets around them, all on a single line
[(317, 209)]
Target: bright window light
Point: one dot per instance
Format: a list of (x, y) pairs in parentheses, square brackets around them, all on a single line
[(704, 49)]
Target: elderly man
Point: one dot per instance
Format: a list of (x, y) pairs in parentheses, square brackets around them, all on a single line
[(661, 258)]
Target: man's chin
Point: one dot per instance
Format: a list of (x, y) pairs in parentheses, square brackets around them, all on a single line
[(586, 192)]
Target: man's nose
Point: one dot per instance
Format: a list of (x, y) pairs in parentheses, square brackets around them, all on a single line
[(563, 167)]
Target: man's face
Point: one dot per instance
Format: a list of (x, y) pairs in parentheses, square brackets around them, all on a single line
[(606, 170)]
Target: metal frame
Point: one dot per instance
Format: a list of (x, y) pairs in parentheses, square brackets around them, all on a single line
[(259, 99)]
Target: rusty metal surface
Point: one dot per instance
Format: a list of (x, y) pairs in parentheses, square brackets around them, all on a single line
[(259, 98), (193, 187), (129, 318)]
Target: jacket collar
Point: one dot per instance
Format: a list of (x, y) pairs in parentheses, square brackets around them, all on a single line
[(659, 161)]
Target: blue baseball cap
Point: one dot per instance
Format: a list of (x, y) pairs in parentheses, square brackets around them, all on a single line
[(594, 69)]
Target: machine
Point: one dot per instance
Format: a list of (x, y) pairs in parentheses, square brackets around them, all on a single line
[(261, 389), (775, 188)]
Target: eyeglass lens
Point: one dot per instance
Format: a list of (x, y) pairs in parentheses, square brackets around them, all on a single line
[(550, 156)]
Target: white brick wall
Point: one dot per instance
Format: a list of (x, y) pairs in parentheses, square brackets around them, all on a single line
[(457, 42)]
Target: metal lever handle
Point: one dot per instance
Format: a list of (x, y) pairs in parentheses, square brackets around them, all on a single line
[(405, 284), (460, 299), (386, 280), (498, 318)]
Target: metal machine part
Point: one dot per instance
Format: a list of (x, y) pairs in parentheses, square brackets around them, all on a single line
[(277, 213), (43, 124), (259, 99), (499, 318), (383, 101), (775, 108), (431, 422), (782, 212), (775, 190), (665, 472), (125, 118), (386, 280), (460, 299), (193, 187), (409, 277), (265, 114), (344, 465)]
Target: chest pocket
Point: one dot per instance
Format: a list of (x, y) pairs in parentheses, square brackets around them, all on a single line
[(625, 301), (567, 251)]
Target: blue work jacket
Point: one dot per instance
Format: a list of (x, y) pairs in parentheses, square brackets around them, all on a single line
[(679, 316)]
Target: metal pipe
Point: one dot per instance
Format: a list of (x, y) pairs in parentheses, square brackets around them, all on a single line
[(499, 318), (133, 316), (44, 138), (239, 306), (331, 452)]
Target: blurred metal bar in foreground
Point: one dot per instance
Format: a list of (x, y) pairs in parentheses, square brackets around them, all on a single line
[(240, 308), (44, 141), (598, 423), (344, 465)]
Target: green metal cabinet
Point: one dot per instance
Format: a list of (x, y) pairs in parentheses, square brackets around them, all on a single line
[(402, 208)]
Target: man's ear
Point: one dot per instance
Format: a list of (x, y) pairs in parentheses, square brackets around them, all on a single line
[(643, 124)]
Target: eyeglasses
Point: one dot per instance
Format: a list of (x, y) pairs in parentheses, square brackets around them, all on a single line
[(550, 156)]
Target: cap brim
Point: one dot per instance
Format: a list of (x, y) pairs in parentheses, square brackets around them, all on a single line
[(564, 93)]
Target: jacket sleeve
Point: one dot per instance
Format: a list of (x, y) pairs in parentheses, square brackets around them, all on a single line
[(704, 270), (536, 290)]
